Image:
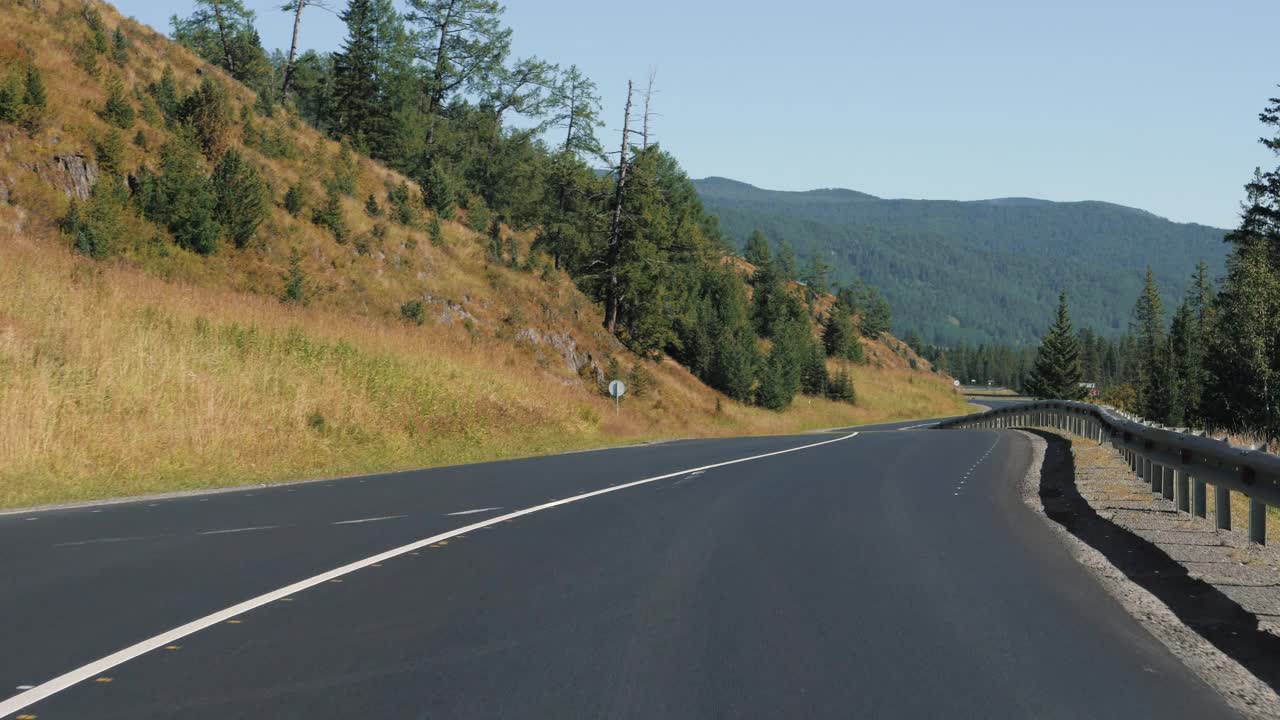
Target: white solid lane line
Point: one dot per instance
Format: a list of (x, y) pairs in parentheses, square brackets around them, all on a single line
[(239, 530), (99, 541), (27, 698), (473, 512), (366, 520)]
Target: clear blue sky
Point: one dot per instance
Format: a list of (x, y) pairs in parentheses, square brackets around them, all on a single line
[(1148, 103)]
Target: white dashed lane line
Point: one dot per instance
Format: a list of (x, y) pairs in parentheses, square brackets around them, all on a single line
[(973, 468), (239, 530), (473, 512), (369, 520)]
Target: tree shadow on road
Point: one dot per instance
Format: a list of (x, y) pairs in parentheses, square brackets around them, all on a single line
[(1199, 605)]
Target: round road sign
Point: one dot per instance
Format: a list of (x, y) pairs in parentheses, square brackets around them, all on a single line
[(617, 388)]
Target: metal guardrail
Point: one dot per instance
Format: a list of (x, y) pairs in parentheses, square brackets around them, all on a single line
[(1176, 463)]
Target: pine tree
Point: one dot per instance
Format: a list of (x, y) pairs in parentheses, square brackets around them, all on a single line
[(358, 109), (208, 111), (842, 389), (815, 276), (329, 215), (786, 260), (1243, 363), (838, 336), (1057, 374), (180, 198), (118, 110), (119, 48), (34, 100), (814, 379), (222, 32), (877, 317), (241, 197), (294, 199), (1154, 368), (756, 250)]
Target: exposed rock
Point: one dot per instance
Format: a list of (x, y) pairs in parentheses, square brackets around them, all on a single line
[(75, 175), (529, 335), (453, 311), (568, 349), (4, 193)]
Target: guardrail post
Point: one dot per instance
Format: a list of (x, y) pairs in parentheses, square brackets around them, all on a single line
[(1156, 476), (1257, 522), (1222, 507), (1166, 482), (1198, 499), (1184, 491)]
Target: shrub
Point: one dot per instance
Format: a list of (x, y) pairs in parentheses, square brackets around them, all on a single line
[(86, 58), (841, 388), (371, 206), (398, 198), (295, 282), (344, 170), (639, 380), (413, 312), (329, 215), (294, 199), (96, 228), (10, 101), (435, 232)]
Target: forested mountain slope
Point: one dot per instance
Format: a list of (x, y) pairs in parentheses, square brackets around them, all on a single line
[(981, 271), (199, 287)]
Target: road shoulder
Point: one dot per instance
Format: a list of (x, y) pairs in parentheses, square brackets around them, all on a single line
[(1181, 611)]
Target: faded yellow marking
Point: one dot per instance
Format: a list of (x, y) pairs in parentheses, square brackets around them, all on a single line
[(286, 599), (376, 565), (234, 622), (25, 717), (172, 647), (104, 679), (336, 580)]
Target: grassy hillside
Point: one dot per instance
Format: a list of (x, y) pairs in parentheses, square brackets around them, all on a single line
[(157, 369), (978, 271)]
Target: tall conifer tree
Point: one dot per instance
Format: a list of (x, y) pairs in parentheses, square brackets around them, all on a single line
[(1057, 373)]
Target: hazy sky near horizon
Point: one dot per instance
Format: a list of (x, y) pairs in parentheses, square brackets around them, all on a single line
[(1146, 103)]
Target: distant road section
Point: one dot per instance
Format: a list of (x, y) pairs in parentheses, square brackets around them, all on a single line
[(886, 573)]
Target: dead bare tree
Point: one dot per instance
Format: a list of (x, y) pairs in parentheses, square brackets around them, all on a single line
[(648, 109), (614, 253)]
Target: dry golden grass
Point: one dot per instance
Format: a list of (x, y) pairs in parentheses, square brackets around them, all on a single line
[(113, 382)]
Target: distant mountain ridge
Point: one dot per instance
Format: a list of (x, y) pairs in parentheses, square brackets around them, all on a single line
[(978, 270)]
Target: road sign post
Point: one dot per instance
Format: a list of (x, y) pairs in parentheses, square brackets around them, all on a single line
[(617, 389)]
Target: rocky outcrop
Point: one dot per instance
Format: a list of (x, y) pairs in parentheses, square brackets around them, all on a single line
[(74, 175), (562, 343)]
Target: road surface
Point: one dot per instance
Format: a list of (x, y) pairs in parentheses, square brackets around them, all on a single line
[(869, 573)]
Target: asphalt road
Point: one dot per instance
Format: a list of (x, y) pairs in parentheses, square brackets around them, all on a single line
[(891, 573)]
